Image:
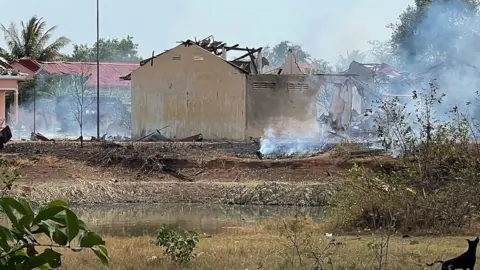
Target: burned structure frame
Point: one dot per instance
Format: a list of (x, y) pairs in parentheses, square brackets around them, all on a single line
[(220, 48)]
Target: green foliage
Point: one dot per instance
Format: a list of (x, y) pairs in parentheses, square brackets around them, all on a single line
[(20, 244), (178, 246), (432, 186), (345, 60), (109, 50), (304, 249), (8, 174), (429, 31), (32, 41), (276, 57), (382, 52)]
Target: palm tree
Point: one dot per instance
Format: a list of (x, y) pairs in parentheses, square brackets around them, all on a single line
[(344, 61), (33, 41)]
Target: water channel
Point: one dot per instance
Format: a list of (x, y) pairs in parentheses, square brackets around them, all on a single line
[(141, 219)]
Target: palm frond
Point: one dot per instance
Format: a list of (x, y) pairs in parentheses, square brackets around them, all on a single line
[(32, 40), (14, 43), (45, 37), (52, 51)]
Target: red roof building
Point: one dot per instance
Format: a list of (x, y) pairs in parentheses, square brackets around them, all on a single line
[(110, 72)]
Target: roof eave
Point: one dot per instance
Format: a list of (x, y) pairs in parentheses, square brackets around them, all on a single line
[(11, 77)]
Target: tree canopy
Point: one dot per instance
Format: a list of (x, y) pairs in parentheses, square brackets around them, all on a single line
[(276, 56), (32, 40), (114, 49), (430, 31)]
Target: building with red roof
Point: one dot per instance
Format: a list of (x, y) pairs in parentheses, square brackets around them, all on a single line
[(9, 78), (110, 72)]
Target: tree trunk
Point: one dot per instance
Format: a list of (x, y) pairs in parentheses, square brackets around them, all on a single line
[(81, 130)]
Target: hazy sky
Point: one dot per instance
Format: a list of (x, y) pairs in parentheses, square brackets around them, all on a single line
[(325, 28)]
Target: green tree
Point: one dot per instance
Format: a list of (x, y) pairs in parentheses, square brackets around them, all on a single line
[(381, 52), (430, 31), (320, 66), (276, 56), (345, 60), (33, 40), (109, 50)]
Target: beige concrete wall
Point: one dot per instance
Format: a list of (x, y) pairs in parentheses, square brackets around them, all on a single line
[(281, 102), (2, 109), (285, 103), (191, 90)]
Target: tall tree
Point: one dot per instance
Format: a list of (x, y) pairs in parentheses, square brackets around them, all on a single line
[(345, 60), (381, 52), (276, 56), (109, 50), (431, 31), (33, 40)]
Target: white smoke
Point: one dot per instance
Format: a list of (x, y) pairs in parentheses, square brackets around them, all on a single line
[(442, 46)]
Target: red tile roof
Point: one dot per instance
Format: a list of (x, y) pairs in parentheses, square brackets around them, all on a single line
[(7, 70), (110, 73), (304, 67), (29, 62)]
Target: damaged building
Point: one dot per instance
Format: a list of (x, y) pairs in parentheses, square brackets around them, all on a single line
[(9, 79), (193, 88)]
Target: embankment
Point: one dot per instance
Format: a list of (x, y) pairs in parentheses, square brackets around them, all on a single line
[(228, 173)]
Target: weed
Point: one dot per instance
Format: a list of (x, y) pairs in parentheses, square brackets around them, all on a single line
[(178, 246)]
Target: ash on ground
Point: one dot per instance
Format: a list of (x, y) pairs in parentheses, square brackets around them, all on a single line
[(290, 146)]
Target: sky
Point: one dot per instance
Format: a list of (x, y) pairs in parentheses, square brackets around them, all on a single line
[(324, 28)]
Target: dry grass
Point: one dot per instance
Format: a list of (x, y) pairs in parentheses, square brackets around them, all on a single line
[(262, 247), (23, 162), (48, 159)]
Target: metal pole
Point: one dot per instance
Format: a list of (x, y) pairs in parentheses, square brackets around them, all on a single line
[(34, 109), (98, 72)]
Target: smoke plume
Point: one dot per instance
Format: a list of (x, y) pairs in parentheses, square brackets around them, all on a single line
[(64, 106), (440, 47)]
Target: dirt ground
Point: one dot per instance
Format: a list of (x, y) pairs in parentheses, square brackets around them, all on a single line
[(168, 172)]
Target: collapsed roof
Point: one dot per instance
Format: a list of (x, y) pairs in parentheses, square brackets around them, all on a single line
[(7, 70), (220, 48)]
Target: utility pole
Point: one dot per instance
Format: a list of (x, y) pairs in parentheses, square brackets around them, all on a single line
[(34, 107), (98, 71)]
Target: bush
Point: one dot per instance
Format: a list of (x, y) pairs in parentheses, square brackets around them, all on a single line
[(56, 222), (434, 183), (178, 246)]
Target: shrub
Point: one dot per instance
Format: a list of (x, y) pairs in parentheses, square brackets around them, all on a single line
[(178, 246), (432, 185), (56, 222)]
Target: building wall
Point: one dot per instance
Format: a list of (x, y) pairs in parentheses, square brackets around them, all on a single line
[(6, 85), (285, 103), (124, 94), (192, 91), (281, 102), (2, 108)]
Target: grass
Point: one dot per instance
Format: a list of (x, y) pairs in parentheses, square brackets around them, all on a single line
[(263, 247)]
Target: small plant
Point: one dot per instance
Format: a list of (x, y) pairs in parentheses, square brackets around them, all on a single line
[(178, 246), (304, 250), (55, 221)]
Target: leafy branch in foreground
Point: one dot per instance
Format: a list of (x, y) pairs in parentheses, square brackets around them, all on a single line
[(56, 222)]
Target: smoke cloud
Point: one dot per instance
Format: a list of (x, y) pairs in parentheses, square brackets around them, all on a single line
[(443, 48), (64, 106)]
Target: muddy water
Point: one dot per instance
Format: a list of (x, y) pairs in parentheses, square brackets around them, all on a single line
[(140, 219)]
